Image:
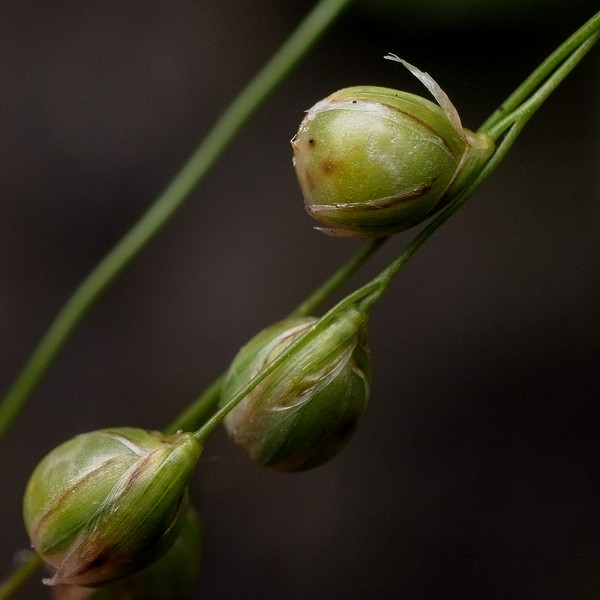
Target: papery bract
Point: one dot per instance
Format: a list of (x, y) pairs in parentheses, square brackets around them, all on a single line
[(372, 161), (108, 503), (304, 412)]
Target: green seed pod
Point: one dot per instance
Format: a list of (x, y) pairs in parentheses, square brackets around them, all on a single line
[(107, 503), (372, 161), (304, 412), (174, 576)]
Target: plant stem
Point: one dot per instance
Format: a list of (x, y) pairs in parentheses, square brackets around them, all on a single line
[(504, 130), (320, 295), (352, 299), (527, 109), (10, 586), (545, 69), (199, 411), (164, 208), (382, 281)]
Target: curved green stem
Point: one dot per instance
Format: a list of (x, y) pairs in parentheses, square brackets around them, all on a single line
[(199, 411), (352, 299), (219, 138), (382, 281), (321, 294), (11, 585), (504, 126), (527, 109), (533, 83), (503, 129)]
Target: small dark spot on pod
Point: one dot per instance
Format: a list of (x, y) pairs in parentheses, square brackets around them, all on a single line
[(327, 166), (98, 562)]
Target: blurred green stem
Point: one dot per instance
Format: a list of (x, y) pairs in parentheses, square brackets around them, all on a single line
[(17, 579), (504, 126), (207, 154), (199, 411)]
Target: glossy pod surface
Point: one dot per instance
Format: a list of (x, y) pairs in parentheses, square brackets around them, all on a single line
[(306, 410), (173, 576), (107, 503), (371, 161)]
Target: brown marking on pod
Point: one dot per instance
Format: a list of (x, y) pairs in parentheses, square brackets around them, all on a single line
[(328, 166)]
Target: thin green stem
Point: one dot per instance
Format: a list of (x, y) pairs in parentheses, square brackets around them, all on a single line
[(545, 69), (17, 579), (201, 409), (506, 130), (382, 281), (321, 294), (354, 298), (165, 207), (527, 109), (504, 126)]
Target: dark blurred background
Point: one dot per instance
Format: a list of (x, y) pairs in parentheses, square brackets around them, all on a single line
[(475, 472)]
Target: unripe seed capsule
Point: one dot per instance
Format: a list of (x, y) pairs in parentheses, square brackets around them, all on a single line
[(173, 576), (372, 161), (107, 503), (304, 412)]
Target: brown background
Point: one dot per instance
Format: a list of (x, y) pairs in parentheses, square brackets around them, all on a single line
[(474, 474)]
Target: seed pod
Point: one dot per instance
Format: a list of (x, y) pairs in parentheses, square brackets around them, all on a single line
[(107, 503), (304, 412), (174, 576), (372, 161)]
